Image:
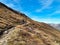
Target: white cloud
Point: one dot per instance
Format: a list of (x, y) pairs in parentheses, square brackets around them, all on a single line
[(45, 4), (56, 12)]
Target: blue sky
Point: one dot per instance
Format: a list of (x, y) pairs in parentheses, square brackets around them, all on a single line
[(47, 11)]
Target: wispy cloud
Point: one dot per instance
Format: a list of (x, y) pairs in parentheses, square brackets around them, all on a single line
[(45, 4), (54, 13)]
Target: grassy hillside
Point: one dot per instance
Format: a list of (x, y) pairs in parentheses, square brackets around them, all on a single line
[(18, 29)]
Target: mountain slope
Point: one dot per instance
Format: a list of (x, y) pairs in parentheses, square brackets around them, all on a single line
[(18, 29)]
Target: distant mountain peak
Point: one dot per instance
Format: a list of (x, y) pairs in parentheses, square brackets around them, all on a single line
[(57, 26)]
